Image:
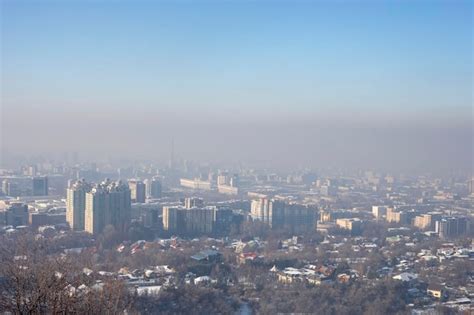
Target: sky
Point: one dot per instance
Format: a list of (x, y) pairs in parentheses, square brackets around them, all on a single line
[(315, 82)]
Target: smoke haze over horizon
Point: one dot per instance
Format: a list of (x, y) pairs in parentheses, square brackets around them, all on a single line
[(282, 85)]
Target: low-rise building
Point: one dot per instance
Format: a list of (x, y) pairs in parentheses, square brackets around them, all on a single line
[(435, 290)]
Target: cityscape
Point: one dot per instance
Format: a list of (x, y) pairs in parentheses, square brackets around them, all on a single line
[(255, 157), (241, 231)]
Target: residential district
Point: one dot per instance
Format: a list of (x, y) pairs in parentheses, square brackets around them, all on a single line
[(191, 238)]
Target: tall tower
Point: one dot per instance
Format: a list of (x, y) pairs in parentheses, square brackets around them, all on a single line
[(76, 204), (120, 206), (138, 190), (96, 209), (108, 204), (153, 188)]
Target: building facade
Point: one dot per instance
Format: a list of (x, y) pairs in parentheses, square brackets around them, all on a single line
[(278, 214), (108, 203), (153, 188), (426, 221), (196, 220), (16, 214), (379, 211), (138, 191), (76, 204), (452, 227), (195, 184), (40, 186)]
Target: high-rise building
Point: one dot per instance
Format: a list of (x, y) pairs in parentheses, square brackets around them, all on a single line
[(40, 186), (119, 208), (200, 220), (379, 211), (260, 210), (228, 190), (278, 214), (108, 203), (193, 202), (426, 221), (6, 187), (332, 215), (392, 215), (138, 191), (16, 214), (234, 181), (399, 216), (153, 188), (354, 225), (96, 207), (227, 184), (452, 227), (196, 220), (196, 183), (223, 219), (76, 204)]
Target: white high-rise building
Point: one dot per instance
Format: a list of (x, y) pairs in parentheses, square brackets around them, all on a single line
[(379, 211), (108, 204), (76, 204)]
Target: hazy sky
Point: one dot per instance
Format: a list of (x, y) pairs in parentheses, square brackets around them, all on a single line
[(335, 82)]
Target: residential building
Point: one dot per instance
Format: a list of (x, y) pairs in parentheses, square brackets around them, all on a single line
[(354, 225), (76, 204), (435, 290), (108, 203), (196, 184), (138, 191), (40, 186), (426, 221), (153, 188), (399, 216), (332, 215), (278, 214), (196, 220), (452, 227), (379, 211), (193, 202), (41, 219), (228, 189), (16, 214), (10, 188)]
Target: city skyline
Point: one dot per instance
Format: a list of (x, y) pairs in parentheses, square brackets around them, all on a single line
[(236, 157)]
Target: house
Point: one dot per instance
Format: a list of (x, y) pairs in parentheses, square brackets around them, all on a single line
[(406, 277), (289, 275), (435, 290), (343, 278), (245, 257), (315, 280), (148, 290), (209, 255)]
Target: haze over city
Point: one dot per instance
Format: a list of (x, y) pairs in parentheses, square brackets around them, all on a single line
[(236, 157), (341, 84)]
